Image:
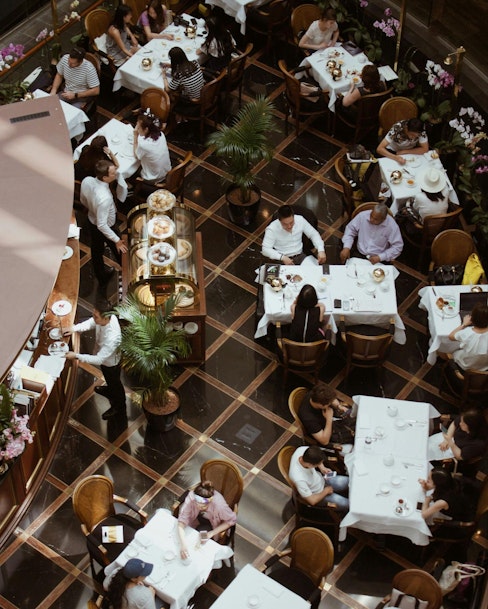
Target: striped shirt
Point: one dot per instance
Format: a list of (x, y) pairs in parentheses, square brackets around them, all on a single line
[(191, 85), (78, 79)]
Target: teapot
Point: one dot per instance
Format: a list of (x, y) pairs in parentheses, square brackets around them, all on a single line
[(396, 176), (276, 283), (331, 64), (336, 74), (378, 275), (146, 63)]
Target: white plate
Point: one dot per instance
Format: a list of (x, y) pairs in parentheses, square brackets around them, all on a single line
[(55, 333), (169, 555), (191, 327), (184, 249), (161, 200), (407, 510), (68, 252), (161, 248), (61, 307), (253, 601), (413, 161), (384, 489), (448, 310), (396, 480), (115, 139), (161, 227), (400, 424), (58, 348)]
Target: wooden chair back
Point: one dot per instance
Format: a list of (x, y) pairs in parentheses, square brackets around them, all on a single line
[(294, 401), (137, 7), (235, 72), (95, 61), (175, 178), (368, 108), (312, 553), (157, 100), (365, 207), (348, 200), (284, 460), (208, 104), (303, 356), (419, 584), (302, 17), (475, 385), (93, 500), (97, 23), (226, 478), (396, 109), (452, 246), (366, 351)]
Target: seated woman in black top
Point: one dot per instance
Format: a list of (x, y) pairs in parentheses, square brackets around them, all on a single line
[(97, 150), (307, 316), (216, 51)]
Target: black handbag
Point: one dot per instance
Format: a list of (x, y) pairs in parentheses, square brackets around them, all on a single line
[(449, 274)]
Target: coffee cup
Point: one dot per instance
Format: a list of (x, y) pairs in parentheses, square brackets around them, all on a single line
[(392, 411), (389, 460)]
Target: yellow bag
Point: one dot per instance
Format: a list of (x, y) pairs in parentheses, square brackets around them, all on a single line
[(473, 271)]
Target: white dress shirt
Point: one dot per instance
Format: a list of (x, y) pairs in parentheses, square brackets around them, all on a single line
[(107, 341), (473, 352), (278, 241), (97, 197)]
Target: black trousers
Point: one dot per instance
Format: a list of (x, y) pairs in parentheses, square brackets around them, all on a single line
[(98, 242), (115, 389)]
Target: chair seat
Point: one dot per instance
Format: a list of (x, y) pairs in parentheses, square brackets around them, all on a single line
[(131, 526), (294, 580)]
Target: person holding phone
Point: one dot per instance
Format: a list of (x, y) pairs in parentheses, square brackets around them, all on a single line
[(206, 510)]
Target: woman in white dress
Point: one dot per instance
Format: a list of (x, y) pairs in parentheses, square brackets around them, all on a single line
[(322, 33), (150, 148)]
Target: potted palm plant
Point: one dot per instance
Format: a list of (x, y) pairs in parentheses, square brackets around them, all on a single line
[(149, 347), (242, 145)]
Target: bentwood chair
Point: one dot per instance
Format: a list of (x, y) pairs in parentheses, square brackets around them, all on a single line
[(453, 246), (321, 517), (97, 23), (90, 106), (227, 480), (157, 100), (312, 558), (234, 73), (393, 110), (419, 584), (93, 504), (302, 17), (348, 201), (468, 386), (297, 102), (365, 207), (270, 20), (303, 357), (137, 7), (366, 350), (174, 181), (366, 118)]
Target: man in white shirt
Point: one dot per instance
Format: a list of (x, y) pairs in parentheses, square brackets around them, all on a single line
[(283, 238), (107, 356), (316, 484), (96, 196)]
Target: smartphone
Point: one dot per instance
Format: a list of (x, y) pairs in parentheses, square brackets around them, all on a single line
[(325, 269), (419, 506), (337, 303), (330, 474)]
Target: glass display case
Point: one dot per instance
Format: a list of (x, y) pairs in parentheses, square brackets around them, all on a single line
[(164, 258)]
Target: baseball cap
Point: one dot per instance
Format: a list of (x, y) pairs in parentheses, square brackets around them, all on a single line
[(135, 568)]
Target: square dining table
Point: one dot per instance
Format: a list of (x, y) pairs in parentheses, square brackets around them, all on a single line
[(362, 300), (251, 588), (175, 581), (442, 321), (75, 117), (389, 456), (351, 66), (119, 138), (408, 186), (134, 77)]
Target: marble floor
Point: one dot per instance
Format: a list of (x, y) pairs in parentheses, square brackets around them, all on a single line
[(45, 563)]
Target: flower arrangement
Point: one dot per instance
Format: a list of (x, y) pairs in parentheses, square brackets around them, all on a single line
[(14, 429), (10, 54), (388, 26), (437, 77), (467, 129)]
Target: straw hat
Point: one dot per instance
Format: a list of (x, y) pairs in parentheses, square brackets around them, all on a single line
[(432, 180)]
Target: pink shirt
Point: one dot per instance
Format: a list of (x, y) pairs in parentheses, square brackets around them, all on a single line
[(218, 512)]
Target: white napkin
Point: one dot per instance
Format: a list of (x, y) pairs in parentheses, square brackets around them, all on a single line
[(73, 231), (52, 364)]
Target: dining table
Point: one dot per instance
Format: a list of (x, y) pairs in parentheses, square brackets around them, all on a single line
[(174, 580), (75, 117), (407, 187), (133, 76), (389, 457), (120, 138), (237, 9), (251, 588), (351, 67), (442, 321), (348, 291)]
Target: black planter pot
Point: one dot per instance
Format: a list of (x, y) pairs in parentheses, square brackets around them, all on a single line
[(164, 421), (240, 213)]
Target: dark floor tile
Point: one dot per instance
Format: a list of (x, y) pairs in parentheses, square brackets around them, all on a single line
[(211, 335), (280, 180), (417, 314), (203, 598), (76, 596), (364, 381), (75, 453), (245, 265), (260, 82), (272, 469), (128, 481), (219, 241), (227, 301), (203, 187), (418, 394), (248, 434), (272, 394), (202, 403), (324, 201), (248, 329), (43, 499), (405, 284), (410, 356), (310, 151)]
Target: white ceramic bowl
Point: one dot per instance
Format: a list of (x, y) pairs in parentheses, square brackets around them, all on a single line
[(396, 480), (384, 489), (400, 424)]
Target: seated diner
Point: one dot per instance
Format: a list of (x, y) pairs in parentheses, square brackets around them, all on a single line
[(322, 33), (405, 137)]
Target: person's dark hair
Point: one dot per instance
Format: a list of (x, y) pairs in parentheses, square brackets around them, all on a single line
[(285, 211), (77, 53), (156, 25), (180, 64), (99, 142), (148, 121), (205, 489), (479, 315), (323, 394), (313, 455), (433, 196), (118, 19), (116, 589), (102, 167), (476, 422), (307, 298), (371, 78), (218, 32), (443, 482), (329, 14), (103, 306), (415, 125)]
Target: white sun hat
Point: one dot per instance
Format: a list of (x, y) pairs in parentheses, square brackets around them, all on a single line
[(432, 180)]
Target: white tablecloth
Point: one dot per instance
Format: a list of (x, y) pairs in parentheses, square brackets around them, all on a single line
[(75, 117), (440, 325), (252, 583), (173, 581), (369, 510), (416, 164), (237, 9), (352, 66), (119, 138), (341, 284), (131, 75)]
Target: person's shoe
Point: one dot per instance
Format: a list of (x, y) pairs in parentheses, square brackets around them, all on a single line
[(102, 390), (111, 412)]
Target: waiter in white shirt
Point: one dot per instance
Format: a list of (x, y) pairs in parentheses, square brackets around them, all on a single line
[(283, 238), (107, 356)]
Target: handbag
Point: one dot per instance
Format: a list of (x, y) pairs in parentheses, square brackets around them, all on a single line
[(456, 573), (405, 601), (473, 271), (449, 274)]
